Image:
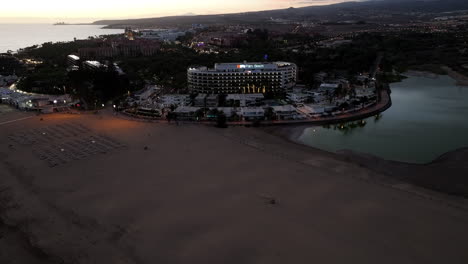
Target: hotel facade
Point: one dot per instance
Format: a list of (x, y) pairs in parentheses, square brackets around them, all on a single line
[(234, 78)]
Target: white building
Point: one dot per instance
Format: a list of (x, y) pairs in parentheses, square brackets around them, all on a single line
[(212, 100), (174, 99), (243, 100), (329, 86), (93, 65), (311, 110), (200, 100), (73, 60), (170, 35), (298, 97), (251, 113), (256, 77), (285, 111)]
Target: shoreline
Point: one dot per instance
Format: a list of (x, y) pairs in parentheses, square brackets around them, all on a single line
[(462, 80), (445, 174)]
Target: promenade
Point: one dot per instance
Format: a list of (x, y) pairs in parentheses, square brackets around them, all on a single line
[(384, 103)]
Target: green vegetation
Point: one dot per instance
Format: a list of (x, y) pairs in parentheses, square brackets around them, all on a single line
[(97, 87), (45, 78), (221, 120), (50, 77), (403, 51), (426, 52), (10, 65)]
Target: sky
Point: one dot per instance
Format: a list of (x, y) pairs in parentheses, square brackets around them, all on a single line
[(72, 11)]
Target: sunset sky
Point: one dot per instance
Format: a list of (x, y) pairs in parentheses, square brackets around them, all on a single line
[(26, 11)]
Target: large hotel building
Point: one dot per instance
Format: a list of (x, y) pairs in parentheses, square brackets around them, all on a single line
[(232, 78)]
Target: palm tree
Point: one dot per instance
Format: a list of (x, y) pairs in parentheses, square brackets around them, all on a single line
[(221, 120), (200, 113), (235, 116), (269, 113)]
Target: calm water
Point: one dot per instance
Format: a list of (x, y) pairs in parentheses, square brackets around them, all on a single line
[(428, 118), (16, 36)]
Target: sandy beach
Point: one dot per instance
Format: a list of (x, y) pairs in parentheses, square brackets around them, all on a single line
[(100, 189)]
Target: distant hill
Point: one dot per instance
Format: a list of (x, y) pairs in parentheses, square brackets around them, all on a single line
[(336, 12)]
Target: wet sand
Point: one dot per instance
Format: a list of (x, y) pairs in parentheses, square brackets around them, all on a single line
[(198, 194)]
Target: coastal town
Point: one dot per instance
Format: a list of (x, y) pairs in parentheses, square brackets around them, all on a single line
[(279, 72), (333, 98), (240, 132), (238, 93)]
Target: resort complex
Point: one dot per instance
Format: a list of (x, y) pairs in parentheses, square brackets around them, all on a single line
[(243, 92), (252, 77)]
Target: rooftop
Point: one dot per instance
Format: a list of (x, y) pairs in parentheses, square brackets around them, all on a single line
[(94, 63), (243, 66), (74, 57)]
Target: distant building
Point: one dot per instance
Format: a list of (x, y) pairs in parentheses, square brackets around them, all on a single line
[(93, 65), (227, 78), (121, 47), (161, 34), (97, 53), (329, 86), (73, 60)]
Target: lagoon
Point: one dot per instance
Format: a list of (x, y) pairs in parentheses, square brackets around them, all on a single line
[(428, 118)]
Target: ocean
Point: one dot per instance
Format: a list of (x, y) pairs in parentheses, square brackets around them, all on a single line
[(16, 36)]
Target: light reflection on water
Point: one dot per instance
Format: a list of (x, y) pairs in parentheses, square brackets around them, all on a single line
[(16, 36), (428, 118)]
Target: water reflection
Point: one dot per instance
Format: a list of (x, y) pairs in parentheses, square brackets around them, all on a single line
[(347, 127)]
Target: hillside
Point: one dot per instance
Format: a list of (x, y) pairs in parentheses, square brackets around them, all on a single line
[(368, 10)]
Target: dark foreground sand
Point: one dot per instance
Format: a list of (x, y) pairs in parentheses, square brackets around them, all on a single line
[(447, 174), (206, 195)]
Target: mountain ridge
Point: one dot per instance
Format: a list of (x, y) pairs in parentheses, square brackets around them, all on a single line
[(333, 12)]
